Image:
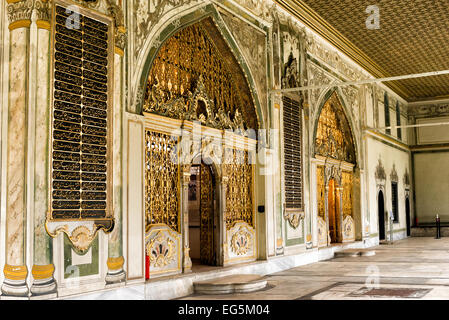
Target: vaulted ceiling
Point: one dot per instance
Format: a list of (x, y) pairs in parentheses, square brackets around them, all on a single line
[(413, 38)]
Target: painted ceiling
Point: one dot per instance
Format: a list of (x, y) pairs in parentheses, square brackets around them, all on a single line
[(413, 38)]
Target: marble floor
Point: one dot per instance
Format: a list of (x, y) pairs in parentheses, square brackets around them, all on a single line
[(413, 268)]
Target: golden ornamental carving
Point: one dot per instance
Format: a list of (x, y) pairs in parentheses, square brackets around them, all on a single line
[(82, 238), (115, 263), (334, 136), (161, 250), (192, 80), (293, 217), (162, 180), (240, 242), (43, 272), (19, 13), (16, 273), (238, 169), (347, 183), (321, 192), (207, 251), (43, 12)]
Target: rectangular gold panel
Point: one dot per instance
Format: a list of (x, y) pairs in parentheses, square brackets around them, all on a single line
[(162, 191), (239, 189)]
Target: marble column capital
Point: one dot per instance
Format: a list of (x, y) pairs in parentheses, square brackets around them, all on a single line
[(19, 13), (43, 12), (121, 38)]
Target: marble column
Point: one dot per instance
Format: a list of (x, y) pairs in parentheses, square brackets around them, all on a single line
[(187, 262), (222, 188), (15, 269), (43, 268), (339, 227), (115, 263)]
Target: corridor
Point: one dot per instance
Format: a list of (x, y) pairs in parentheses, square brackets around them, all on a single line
[(413, 268)]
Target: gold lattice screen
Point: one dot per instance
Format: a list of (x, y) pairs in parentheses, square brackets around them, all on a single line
[(334, 136), (190, 53), (347, 192), (320, 191), (239, 188), (161, 180)]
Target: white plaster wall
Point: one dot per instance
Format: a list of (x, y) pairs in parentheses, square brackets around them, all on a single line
[(433, 134), (389, 155), (431, 184), (134, 232)]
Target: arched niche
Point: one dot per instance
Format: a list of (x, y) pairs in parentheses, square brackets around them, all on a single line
[(338, 178), (197, 85), (209, 17)]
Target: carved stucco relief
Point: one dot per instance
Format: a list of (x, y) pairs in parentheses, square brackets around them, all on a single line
[(253, 47), (147, 13)]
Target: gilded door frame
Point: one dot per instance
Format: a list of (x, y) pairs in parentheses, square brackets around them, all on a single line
[(218, 214), (332, 170)]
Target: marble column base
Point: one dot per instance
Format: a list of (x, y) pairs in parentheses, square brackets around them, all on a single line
[(15, 284), (43, 287), (187, 261), (14, 288), (115, 274), (279, 251), (43, 281)]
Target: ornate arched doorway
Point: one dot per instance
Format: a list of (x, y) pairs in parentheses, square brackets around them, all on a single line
[(335, 159), (200, 118)]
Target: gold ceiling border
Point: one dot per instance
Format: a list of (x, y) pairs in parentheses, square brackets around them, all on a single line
[(311, 19)]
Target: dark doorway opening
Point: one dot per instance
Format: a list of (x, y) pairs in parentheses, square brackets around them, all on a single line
[(203, 221), (407, 215), (381, 213)]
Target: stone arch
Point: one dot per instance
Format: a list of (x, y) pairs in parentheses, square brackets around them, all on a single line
[(324, 98), (174, 24)]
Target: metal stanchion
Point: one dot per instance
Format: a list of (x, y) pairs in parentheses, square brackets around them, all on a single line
[(437, 221)]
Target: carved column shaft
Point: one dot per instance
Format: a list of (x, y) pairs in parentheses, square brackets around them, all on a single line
[(339, 227), (326, 210), (15, 270), (115, 262), (187, 263), (222, 187), (43, 268)]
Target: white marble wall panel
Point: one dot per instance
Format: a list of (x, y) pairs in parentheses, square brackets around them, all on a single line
[(135, 184)]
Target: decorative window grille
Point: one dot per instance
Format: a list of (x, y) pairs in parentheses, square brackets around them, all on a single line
[(398, 120), (387, 113), (292, 154), (394, 200)]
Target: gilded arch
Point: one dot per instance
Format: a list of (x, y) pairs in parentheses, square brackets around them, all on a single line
[(205, 13), (333, 132), (337, 182), (196, 79)]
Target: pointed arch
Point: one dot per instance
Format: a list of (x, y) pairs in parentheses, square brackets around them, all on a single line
[(209, 16), (333, 134)]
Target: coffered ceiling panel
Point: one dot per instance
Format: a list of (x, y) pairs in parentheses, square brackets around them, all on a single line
[(413, 38)]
